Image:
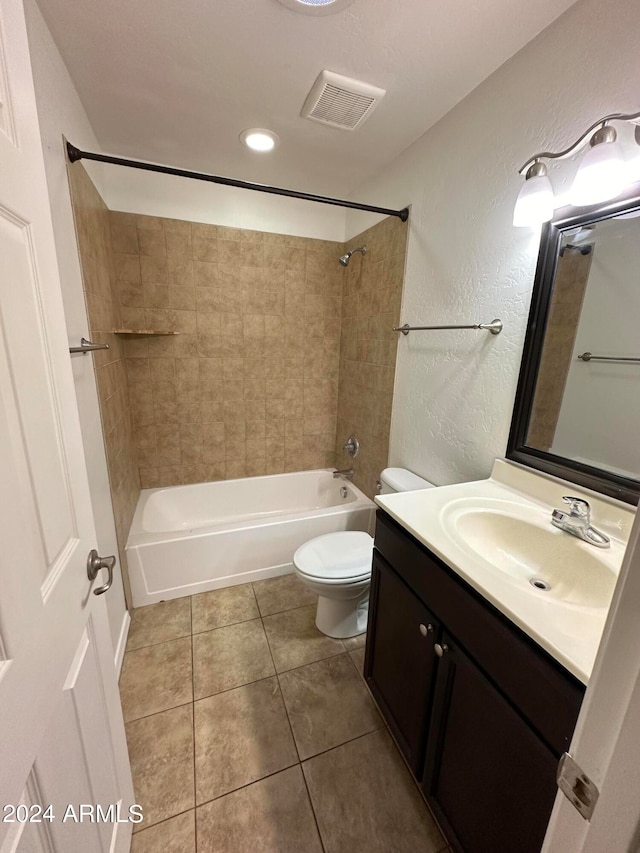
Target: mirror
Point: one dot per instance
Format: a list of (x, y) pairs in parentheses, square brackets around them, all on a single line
[(577, 411)]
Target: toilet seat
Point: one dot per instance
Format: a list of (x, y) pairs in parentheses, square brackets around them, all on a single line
[(336, 558)]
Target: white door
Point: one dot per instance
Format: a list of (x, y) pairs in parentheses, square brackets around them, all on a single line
[(62, 740), (606, 742)]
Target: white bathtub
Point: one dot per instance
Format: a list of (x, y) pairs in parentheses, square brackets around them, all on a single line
[(190, 539)]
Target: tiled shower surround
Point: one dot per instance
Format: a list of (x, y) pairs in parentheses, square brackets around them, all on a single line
[(372, 294), (280, 351), (250, 385), (92, 223)]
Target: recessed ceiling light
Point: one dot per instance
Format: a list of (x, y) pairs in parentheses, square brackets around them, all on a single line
[(258, 139), (317, 7)]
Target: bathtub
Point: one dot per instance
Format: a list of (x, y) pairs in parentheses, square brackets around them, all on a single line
[(189, 539)]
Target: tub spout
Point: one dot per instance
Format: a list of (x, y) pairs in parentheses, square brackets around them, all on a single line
[(347, 474)]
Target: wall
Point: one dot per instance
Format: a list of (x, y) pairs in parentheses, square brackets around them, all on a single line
[(249, 386), (370, 310), (466, 263), (60, 111), (93, 230), (133, 191), (601, 399)]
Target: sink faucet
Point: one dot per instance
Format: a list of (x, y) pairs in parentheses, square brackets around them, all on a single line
[(347, 474), (578, 522)]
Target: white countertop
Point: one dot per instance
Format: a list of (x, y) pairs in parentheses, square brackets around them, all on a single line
[(570, 632)]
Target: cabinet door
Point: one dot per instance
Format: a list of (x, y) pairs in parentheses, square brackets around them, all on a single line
[(400, 660), (488, 777)]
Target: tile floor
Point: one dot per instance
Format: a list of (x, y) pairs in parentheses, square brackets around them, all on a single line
[(249, 731)]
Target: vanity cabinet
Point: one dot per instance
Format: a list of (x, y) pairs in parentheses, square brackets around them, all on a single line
[(403, 661), (481, 713)]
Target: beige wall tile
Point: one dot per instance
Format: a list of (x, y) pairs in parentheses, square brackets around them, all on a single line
[(370, 308), (178, 243), (270, 356), (151, 242), (205, 242), (154, 269), (109, 259), (180, 273)]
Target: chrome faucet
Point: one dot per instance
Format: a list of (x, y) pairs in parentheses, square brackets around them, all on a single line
[(347, 474), (578, 522), (352, 447)]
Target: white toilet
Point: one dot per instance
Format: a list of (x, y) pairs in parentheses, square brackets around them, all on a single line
[(337, 567)]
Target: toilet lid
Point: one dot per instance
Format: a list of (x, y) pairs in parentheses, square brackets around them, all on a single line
[(336, 556)]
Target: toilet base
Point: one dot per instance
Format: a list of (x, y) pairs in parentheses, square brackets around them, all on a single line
[(342, 618)]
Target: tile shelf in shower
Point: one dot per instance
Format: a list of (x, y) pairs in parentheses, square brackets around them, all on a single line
[(142, 332)]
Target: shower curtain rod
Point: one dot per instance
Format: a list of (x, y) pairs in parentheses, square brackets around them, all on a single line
[(75, 154)]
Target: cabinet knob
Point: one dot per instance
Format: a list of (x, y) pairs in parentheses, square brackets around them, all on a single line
[(440, 650), (426, 629)]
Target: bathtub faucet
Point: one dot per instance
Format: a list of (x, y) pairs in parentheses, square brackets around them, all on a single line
[(347, 474)]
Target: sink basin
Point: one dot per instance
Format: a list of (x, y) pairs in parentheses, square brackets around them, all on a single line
[(544, 560)]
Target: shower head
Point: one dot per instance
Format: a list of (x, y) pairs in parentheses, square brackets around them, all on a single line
[(344, 259)]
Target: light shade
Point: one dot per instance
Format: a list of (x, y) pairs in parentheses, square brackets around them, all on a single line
[(317, 7), (258, 139), (534, 204), (602, 175)]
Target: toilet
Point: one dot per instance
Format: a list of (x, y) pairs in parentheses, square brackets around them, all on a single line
[(337, 567)]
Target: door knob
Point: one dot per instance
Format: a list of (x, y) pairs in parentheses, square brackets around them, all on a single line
[(440, 650), (94, 563), (426, 629)]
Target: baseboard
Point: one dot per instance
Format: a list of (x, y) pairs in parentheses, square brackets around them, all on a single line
[(122, 642)]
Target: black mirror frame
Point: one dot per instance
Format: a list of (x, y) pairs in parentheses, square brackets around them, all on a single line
[(599, 480)]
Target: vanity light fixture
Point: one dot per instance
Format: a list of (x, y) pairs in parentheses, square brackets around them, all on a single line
[(535, 199), (258, 139), (602, 173)]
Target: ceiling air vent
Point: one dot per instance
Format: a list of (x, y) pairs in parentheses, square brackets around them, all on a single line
[(340, 101)]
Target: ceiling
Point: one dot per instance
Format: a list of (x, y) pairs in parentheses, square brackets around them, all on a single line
[(176, 82)]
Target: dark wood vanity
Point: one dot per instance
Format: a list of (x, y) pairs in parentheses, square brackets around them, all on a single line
[(481, 713)]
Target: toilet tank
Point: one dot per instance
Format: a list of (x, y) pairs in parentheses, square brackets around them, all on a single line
[(400, 480)]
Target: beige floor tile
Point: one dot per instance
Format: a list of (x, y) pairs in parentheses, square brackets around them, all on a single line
[(294, 639), (176, 835), (271, 816), (158, 623), (161, 754), (365, 799), (284, 593), (358, 660), (156, 678), (327, 705), (241, 736), (353, 643), (229, 657), (223, 607)]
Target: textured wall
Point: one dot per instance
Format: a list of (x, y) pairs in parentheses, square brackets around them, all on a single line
[(465, 262), (134, 191), (103, 311), (250, 385), (370, 310)]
